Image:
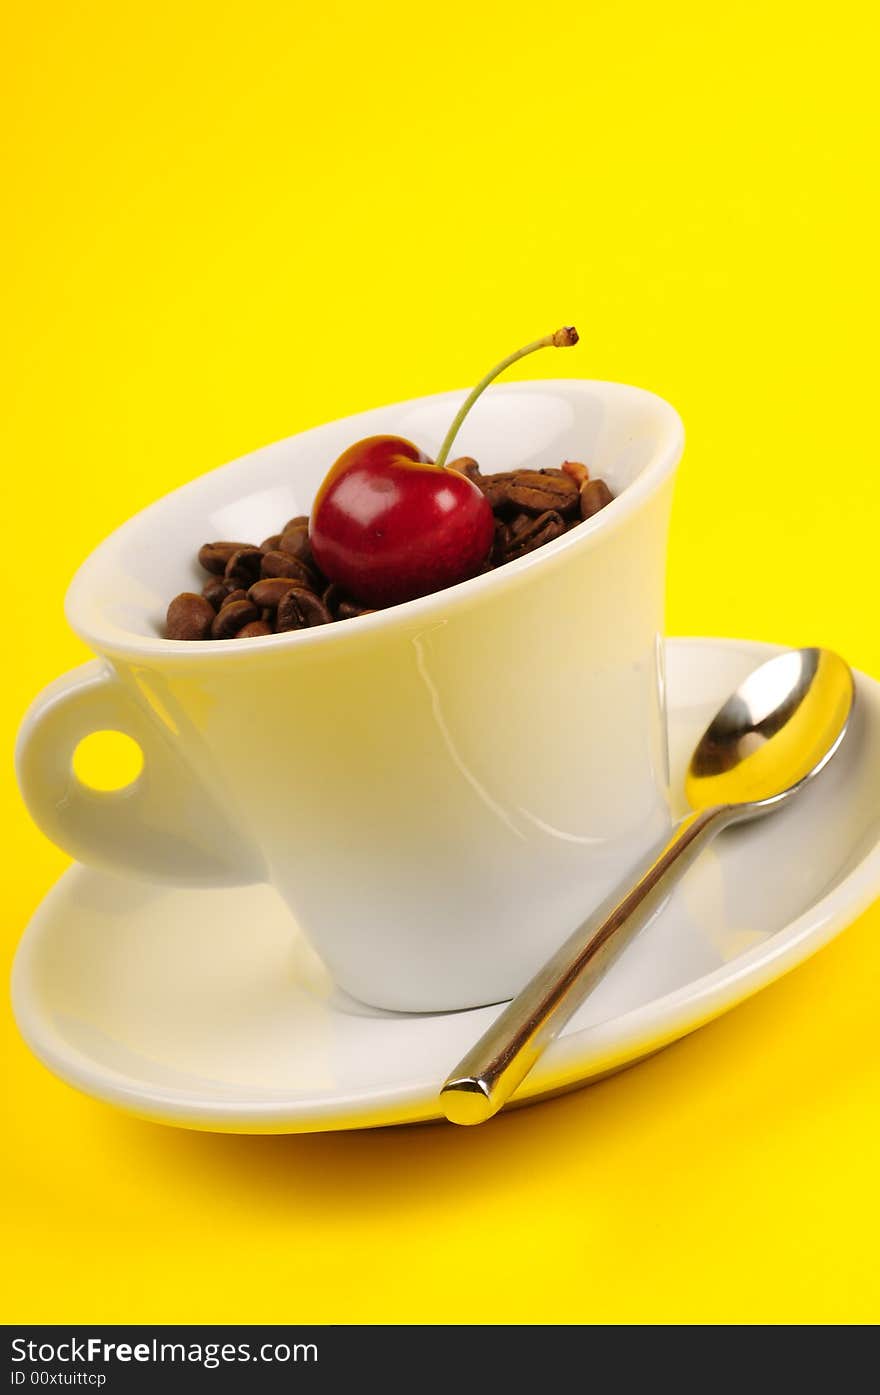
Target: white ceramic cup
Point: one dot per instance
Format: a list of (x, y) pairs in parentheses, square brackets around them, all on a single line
[(440, 791)]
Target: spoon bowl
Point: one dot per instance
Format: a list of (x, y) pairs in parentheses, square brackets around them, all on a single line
[(780, 728)]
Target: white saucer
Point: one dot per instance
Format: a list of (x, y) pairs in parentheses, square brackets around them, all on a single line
[(206, 1009)]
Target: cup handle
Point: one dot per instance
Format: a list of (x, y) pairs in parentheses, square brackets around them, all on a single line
[(163, 826)]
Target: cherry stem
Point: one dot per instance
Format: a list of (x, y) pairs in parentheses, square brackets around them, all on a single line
[(564, 338)]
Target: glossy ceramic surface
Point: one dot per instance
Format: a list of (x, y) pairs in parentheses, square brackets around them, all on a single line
[(200, 1008), (435, 790)]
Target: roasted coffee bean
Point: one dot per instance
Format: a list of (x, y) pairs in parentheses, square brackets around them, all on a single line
[(332, 597), (254, 629), (283, 564), (216, 590), (214, 556), (495, 488), (518, 524), (300, 609), (295, 540), (189, 617), (541, 530), (535, 493), (232, 618), (347, 610), (466, 465), (237, 595), (576, 471), (301, 521), (595, 494), (339, 605), (500, 544), (268, 592), (271, 544), (243, 567)]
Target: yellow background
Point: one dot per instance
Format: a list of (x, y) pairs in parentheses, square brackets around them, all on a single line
[(226, 222)]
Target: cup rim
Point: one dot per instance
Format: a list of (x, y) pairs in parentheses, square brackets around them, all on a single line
[(105, 636)]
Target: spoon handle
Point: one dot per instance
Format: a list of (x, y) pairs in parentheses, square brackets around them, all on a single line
[(488, 1074)]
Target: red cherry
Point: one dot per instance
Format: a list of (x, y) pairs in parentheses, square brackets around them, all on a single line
[(388, 524)]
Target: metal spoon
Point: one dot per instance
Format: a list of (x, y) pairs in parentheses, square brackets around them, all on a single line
[(779, 728)]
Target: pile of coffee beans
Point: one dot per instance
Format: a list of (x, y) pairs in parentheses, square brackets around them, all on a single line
[(278, 586)]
